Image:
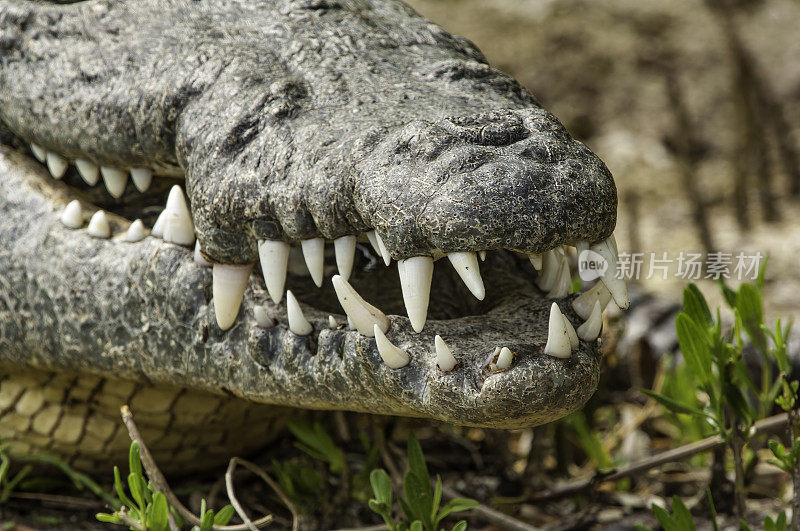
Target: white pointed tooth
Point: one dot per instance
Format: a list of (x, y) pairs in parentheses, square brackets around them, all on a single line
[(581, 246), (345, 248), (72, 216), (416, 274), (136, 232), (115, 180), (199, 259), (350, 325), (360, 314), (56, 164), (332, 322), (274, 255), (98, 225), (574, 343), (584, 303), (262, 317), (563, 282), (141, 177), (466, 265), (229, 283), (536, 261), (444, 358), (551, 268), (158, 226), (39, 152), (482, 255), (387, 259), (88, 171), (298, 324), (558, 344), (392, 356), (178, 226), (590, 330), (504, 358), (372, 236), (619, 290), (314, 255)]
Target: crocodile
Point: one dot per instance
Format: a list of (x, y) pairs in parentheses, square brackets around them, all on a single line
[(307, 204)]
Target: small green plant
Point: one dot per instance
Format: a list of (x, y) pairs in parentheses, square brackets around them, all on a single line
[(421, 505), (315, 441), (715, 361), (300, 482), (680, 519), (147, 508)]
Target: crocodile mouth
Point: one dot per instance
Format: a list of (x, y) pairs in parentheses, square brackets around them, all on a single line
[(494, 338), (295, 198)]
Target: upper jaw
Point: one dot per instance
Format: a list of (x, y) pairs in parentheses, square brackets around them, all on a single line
[(148, 314), (502, 179)]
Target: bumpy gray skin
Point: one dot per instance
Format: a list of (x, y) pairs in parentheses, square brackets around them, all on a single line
[(290, 120)]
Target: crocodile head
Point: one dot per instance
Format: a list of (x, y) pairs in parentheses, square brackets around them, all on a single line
[(350, 145)]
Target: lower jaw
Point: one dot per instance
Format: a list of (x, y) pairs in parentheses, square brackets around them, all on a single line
[(141, 311)]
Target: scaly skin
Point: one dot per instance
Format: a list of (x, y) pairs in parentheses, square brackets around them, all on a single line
[(289, 120)]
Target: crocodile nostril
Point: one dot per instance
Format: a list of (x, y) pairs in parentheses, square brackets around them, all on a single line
[(497, 128)]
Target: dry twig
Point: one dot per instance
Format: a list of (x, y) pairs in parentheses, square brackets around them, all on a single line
[(676, 454), (161, 485), (258, 471)]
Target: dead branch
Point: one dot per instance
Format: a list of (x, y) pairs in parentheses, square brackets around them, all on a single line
[(676, 454), (161, 485)]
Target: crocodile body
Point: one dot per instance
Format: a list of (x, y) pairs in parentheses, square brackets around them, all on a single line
[(289, 121)]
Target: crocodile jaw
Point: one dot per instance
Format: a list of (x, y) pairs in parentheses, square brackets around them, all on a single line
[(409, 135), (142, 311)]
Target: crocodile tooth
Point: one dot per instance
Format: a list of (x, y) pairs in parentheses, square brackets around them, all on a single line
[(563, 281), (136, 232), (141, 177), (345, 248), (466, 265), (551, 267), (332, 322), (229, 283), (536, 261), (387, 259), (558, 344), (72, 216), (350, 325), (482, 255), (590, 330), (39, 152), (56, 164), (158, 226), (393, 356), (115, 180), (360, 314), (98, 225), (263, 318), (88, 171), (416, 274), (619, 291), (298, 324), (178, 227), (373, 241), (504, 358), (199, 259), (574, 343), (444, 358), (274, 255), (314, 254), (584, 303)]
